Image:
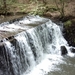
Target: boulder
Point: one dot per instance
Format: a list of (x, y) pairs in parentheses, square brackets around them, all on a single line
[(63, 50), (73, 50)]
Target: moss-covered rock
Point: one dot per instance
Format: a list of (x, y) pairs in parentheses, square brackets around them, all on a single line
[(67, 23), (69, 30)]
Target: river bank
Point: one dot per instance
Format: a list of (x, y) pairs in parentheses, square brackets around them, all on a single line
[(16, 11)]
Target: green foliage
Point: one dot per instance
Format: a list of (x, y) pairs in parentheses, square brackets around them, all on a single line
[(68, 23), (38, 10), (51, 8)]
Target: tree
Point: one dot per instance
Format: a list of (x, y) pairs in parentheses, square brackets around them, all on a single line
[(61, 7), (5, 6), (44, 2)]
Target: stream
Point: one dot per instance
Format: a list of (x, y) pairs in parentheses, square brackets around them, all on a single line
[(34, 48)]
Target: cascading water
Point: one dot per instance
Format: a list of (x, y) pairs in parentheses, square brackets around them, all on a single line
[(35, 51)]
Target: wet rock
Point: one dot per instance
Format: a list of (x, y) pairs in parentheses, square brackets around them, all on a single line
[(3, 61), (63, 50), (69, 32), (73, 50), (11, 37)]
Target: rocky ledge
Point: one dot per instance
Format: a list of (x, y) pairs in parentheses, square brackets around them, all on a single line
[(69, 31)]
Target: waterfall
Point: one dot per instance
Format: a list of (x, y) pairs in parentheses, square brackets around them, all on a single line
[(32, 49)]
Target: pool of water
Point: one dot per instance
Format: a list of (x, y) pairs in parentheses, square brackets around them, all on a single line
[(67, 68)]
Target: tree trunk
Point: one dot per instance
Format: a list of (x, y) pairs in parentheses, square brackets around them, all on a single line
[(5, 6), (44, 1), (62, 9)]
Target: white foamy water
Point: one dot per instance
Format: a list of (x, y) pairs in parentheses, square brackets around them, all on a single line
[(32, 20), (11, 28), (48, 64), (36, 51)]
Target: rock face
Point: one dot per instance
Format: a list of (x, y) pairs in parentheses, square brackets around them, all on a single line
[(3, 61), (63, 50), (69, 33)]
